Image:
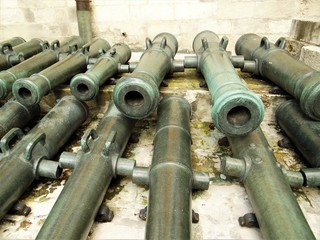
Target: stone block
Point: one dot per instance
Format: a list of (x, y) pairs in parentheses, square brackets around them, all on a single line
[(307, 31), (310, 55)]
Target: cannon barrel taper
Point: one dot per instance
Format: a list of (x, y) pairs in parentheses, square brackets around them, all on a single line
[(170, 176), (29, 91), (85, 86), (137, 94), (21, 52), (302, 131), (37, 63), (89, 180), (26, 161), (270, 195), (278, 66), (235, 109), (15, 115)]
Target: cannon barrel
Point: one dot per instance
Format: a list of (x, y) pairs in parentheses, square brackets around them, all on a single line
[(170, 176), (85, 86), (36, 63), (137, 94), (26, 161), (235, 109), (76, 207), (31, 47), (270, 195), (29, 91), (6, 45), (278, 66), (21, 52), (84, 19), (15, 115), (302, 131)]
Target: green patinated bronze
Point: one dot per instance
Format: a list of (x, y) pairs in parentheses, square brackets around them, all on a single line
[(270, 195), (235, 109), (21, 52), (29, 91), (28, 159), (7, 45), (302, 131), (37, 63), (170, 176), (75, 209), (15, 115), (137, 94), (277, 65), (85, 86)]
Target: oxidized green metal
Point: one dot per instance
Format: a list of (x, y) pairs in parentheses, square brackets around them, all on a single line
[(15, 115), (311, 176), (277, 65), (29, 91), (84, 20), (170, 177), (272, 200), (137, 94), (302, 131), (235, 109), (75, 209), (22, 52), (85, 86), (37, 63), (304, 177), (28, 158), (7, 45)]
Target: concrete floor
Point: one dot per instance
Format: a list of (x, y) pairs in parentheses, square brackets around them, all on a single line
[(219, 207)]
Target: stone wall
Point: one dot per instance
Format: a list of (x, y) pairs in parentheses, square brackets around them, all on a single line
[(131, 21)]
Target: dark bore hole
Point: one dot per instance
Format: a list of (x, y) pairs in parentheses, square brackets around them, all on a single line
[(24, 93), (134, 98), (239, 116), (82, 88)]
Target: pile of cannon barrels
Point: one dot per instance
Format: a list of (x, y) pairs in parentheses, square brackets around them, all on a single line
[(29, 70)]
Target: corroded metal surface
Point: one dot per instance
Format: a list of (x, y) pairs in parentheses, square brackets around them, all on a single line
[(15, 115), (6, 45), (235, 109), (302, 131), (90, 179), (21, 165), (219, 207), (36, 63), (277, 65), (273, 202), (137, 95), (86, 86), (170, 177), (21, 52), (29, 91)]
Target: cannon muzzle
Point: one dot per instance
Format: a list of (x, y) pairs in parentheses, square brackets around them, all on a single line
[(235, 109), (137, 95)]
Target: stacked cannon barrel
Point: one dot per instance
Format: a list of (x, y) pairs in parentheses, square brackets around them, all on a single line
[(30, 70)]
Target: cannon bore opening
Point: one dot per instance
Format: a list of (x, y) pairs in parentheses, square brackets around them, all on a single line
[(24, 93), (134, 98), (82, 88), (239, 116)]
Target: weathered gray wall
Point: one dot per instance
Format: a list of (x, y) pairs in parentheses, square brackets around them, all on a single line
[(131, 21)]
